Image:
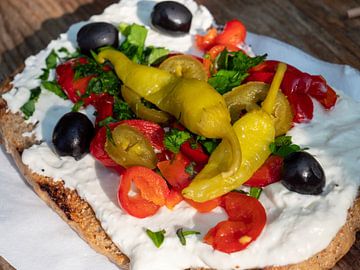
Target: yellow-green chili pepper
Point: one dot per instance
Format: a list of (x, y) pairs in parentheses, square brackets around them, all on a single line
[(255, 131), (198, 106), (135, 102)]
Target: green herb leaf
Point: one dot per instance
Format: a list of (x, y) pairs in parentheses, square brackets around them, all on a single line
[(283, 146), (208, 144), (225, 80), (29, 107), (240, 191), (107, 121), (77, 106), (232, 69), (64, 50), (134, 44), (157, 237), (45, 75), (175, 138), (181, 235), (154, 55), (52, 86), (190, 169), (255, 192), (109, 135), (51, 60)]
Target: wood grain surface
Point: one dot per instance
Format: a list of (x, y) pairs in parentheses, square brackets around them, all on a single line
[(319, 28)]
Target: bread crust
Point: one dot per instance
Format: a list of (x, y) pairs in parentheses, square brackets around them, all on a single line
[(81, 217)]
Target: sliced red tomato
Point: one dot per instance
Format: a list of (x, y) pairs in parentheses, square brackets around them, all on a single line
[(268, 173), (204, 207), (247, 218), (174, 171), (173, 199), (151, 195), (234, 34), (194, 152)]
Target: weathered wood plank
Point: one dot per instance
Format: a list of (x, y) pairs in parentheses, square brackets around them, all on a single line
[(317, 27)]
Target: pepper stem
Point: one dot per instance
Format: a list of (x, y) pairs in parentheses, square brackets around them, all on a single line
[(270, 100)]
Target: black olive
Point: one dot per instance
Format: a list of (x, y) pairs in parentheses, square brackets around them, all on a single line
[(72, 135), (303, 174), (97, 34), (171, 18)]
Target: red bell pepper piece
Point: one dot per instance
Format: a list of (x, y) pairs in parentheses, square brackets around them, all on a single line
[(194, 152), (97, 148), (65, 74), (247, 218), (268, 173), (234, 34), (152, 131), (152, 193), (103, 104), (204, 207), (173, 199), (298, 86), (205, 42), (174, 171)]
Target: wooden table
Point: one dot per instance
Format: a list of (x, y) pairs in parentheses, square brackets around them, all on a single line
[(320, 28)]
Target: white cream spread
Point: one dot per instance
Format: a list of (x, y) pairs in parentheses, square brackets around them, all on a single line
[(298, 226)]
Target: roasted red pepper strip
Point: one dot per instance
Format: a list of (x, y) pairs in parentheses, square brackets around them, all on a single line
[(268, 173), (194, 152), (298, 87), (247, 218), (98, 151), (205, 42), (152, 131), (152, 194), (234, 34), (65, 77), (104, 104), (173, 198)]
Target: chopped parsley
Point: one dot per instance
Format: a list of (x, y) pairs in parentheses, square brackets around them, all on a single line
[(190, 169), (208, 144), (157, 237), (29, 107), (181, 235), (175, 138), (122, 110), (283, 146), (232, 69)]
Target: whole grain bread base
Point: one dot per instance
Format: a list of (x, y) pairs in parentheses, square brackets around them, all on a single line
[(81, 217)]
